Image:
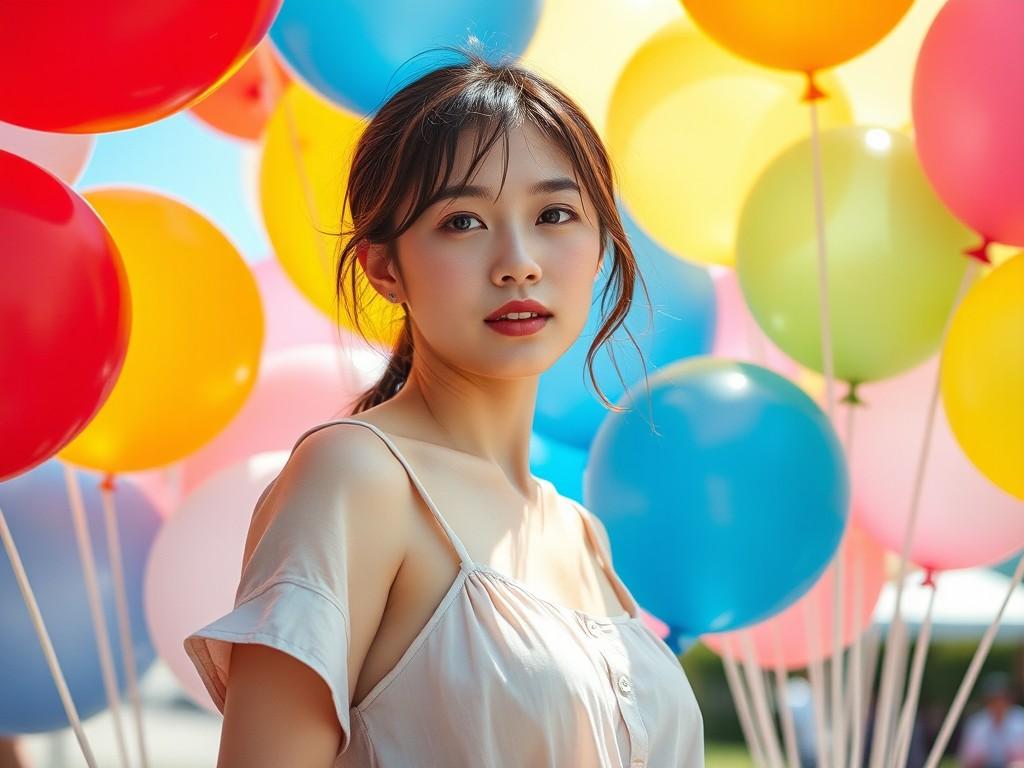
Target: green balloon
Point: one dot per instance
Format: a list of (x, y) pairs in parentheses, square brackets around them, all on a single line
[(894, 254)]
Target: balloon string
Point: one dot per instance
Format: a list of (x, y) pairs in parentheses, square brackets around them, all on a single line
[(829, 370), (739, 697), (904, 734), (872, 643), (782, 697), (814, 672), (882, 715), (124, 625), (856, 674), (841, 662), (967, 684), (99, 621), (838, 657), (755, 340), (823, 297), (44, 640), (755, 679)]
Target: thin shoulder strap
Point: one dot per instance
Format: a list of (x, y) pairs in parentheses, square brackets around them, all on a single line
[(464, 558), (628, 601)]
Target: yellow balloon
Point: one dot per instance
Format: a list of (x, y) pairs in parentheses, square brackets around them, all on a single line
[(691, 126), (878, 81), (605, 33), (196, 336), (801, 35), (982, 375), (307, 154)]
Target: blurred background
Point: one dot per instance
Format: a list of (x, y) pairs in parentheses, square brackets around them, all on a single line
[(826, 200)]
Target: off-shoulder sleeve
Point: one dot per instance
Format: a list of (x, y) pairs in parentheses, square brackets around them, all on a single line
[(291, 596)]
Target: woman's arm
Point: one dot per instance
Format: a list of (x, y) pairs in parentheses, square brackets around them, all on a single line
[(278, 710)]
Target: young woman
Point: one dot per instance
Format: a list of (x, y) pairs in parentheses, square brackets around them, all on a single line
[(411, 594)]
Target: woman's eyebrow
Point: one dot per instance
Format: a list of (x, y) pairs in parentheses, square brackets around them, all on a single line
[(546, 186)]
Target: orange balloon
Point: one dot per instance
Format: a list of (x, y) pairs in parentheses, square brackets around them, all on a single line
[(196, 337), (241, 106), (802, 35)]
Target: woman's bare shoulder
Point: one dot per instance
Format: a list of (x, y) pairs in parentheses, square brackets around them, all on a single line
[(348, 461), (340, 500)]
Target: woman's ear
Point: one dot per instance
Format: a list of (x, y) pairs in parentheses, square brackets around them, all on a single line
[(373, 258)]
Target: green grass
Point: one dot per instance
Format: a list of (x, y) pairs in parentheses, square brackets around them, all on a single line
[(720, 755)]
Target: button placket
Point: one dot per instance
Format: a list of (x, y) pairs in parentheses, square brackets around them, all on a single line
[(626, 695), (617, 663)]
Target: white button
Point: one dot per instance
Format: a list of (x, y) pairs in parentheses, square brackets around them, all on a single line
[(593, 628), (624, 685)]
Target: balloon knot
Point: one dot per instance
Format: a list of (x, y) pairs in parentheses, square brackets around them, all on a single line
[(812, 92), (929, 578), (980, 252), (852, 397), (108, 483)]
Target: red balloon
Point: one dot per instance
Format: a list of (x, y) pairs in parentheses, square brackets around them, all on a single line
[(106, 65), (65, 314), (968, 105)]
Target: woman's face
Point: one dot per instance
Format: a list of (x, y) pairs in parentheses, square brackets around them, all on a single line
[(469, 253)]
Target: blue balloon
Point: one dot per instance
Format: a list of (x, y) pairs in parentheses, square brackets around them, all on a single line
[(679, 642), (733, 508), (558, 463), (357, 53), (678, 323), (39, 515)]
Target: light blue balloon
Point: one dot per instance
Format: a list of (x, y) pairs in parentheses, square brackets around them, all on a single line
[(357, 53), (186, 159), (38, 513), (558, 463), (681, 325), (734, 508)]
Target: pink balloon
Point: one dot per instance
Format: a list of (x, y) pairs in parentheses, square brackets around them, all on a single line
[(291, 319), (963, 519), (196, 560), (656, 625), (968, 106), (737, 334), (789, 629), (297, 388), (65, 155)]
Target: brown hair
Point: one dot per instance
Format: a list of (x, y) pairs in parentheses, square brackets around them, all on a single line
[(410, 146)]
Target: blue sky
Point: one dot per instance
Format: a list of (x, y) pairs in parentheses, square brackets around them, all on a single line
[(184, 157)]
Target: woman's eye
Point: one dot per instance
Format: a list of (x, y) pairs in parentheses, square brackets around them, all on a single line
[(460, 222), (569, 214)]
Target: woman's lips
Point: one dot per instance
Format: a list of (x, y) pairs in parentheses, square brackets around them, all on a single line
[(518, 327)]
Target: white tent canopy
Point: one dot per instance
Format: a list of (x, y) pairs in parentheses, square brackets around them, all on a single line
[(966, 602)]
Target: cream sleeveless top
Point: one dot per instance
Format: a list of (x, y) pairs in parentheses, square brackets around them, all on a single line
[(498, 676)]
